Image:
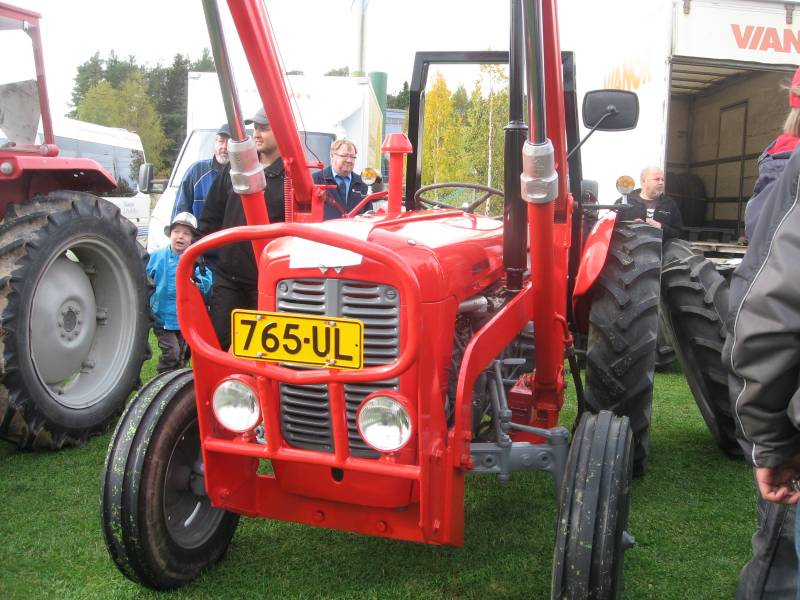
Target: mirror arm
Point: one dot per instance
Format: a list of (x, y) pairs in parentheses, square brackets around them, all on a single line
[(610, 111)]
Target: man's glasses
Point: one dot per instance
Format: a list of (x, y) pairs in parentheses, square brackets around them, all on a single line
[(348, 156)]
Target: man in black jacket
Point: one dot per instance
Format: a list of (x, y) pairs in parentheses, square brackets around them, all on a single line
[(235, 271), (649, 204)]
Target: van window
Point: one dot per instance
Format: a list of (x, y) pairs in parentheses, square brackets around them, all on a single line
[(122, 163)]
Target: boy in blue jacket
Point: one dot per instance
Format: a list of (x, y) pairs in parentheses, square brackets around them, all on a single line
[(161, 268)]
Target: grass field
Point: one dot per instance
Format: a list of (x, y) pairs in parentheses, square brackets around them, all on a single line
[(692, 516)]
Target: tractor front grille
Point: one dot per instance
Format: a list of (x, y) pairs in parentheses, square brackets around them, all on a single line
[(305, 409)]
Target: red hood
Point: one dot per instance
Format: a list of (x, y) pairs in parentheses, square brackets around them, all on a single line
[(452, 253)]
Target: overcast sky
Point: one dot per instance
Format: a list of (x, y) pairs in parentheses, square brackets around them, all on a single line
[(314, 36)]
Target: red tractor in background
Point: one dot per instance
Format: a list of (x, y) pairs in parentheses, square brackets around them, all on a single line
[(393, 352), (73, 288)]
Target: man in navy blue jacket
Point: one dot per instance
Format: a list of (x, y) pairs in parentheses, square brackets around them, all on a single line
[(350, 189), (198, 179)]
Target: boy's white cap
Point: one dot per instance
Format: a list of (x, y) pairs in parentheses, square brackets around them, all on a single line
[(184, 218)]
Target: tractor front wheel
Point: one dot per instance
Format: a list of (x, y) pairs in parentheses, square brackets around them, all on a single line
[(158, 523), (593, 511), (623, 330)]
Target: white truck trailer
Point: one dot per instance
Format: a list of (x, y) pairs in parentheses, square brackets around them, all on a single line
[(325, 108), (708, 74)]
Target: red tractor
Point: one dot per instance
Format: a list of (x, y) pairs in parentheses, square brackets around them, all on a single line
[(73, 288), (393, 352)]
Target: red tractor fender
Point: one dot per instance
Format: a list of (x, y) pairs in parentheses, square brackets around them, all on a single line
[(595, 251), (29, 174)]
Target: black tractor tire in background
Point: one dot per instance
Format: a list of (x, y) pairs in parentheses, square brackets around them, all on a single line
[(623, 329), (158, 523), (74, 316), (696, 300), (594, 501)]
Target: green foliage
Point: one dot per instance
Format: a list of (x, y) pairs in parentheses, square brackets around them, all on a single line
[(204, 64), (129, 107), (692, 516), (443, 142), (463, 137), (460, 103), (340, 72), (401, 99), (166, 88)]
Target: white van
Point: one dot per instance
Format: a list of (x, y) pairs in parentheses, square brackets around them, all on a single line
[(118, 151)]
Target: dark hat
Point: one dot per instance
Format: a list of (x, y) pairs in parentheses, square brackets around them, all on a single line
[(794, 99), (260, 118), (224, 130)]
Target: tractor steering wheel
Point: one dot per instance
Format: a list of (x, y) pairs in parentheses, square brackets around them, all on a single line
[(488, 193)]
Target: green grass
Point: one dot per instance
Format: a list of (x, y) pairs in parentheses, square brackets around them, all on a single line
[(692, 516)]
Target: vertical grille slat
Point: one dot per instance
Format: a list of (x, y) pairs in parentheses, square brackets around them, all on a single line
[(305, 410)]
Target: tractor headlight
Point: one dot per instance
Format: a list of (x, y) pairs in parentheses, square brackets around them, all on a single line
[(236, 405), (384, 421)]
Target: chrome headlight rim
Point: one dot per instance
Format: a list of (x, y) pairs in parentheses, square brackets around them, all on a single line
[(396, 399), (242, 384)]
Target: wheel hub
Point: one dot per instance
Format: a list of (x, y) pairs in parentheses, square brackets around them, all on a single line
[(68, 322), (63, 322)]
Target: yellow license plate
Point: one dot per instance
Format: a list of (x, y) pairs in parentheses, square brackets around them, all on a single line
[(298, 339)]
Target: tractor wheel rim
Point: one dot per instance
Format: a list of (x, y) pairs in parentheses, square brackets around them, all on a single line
[(82, 322), (190, 519)]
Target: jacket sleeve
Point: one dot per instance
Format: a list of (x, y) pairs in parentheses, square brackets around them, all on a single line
[(185, 196), (203, 277), (769, 169), (214, 206), (154, 273), (765, 328), (672, 225)]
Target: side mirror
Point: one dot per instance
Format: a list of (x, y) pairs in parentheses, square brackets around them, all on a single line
[(610, 110), (146, 178)]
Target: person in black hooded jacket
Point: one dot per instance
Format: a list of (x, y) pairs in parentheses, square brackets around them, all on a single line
[(234, 265), (649, 204)]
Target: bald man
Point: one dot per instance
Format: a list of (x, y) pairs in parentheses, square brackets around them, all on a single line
[(649, 204)]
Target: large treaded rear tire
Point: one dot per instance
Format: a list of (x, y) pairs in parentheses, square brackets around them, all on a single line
[(696, 300), (623, 329), (158, 524), (593, 511), (74, 313)]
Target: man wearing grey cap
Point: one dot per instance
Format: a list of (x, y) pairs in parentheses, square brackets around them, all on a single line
[(198, 179), (235, 272)]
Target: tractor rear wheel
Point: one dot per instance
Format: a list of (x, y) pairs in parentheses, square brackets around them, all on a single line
[(158, 524), (75, 318), (593, 511), (696, 301), (623, 329)]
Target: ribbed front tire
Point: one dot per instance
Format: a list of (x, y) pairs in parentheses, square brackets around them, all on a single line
[(158, 524)]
